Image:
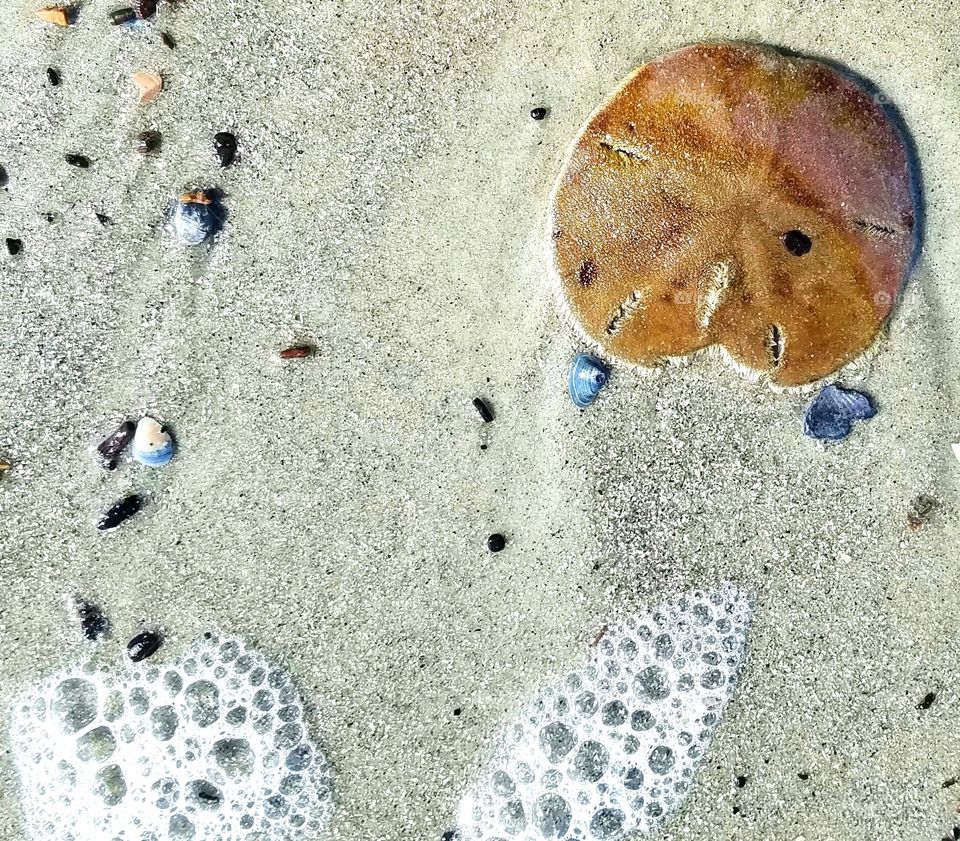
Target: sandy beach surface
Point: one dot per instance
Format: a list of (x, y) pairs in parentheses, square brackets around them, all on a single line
[(388, 206)]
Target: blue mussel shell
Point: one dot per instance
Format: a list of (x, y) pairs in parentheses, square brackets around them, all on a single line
[(831, 413), (587, 376)]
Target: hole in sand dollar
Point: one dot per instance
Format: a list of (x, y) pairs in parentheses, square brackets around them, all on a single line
[(203, 702), (75, 704), (96, 745)]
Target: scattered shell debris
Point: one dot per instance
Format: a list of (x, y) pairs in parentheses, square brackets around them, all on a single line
[(118, 17), (197, 216), (538, 113), (14, 245), (496, 542), (148, 85), (79, 161), (53, 76), (148, 142), (94, 625)]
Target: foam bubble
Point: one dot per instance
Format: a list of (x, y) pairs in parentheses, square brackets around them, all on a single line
[(211, 747), (611, 749)]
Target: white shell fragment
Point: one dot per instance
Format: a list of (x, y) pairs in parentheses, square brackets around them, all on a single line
[(611, 749), (152, 444), (213, 746), (956, 450)]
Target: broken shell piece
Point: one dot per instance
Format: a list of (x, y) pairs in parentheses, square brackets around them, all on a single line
[(197, 217), (956, 450), (59, 15), (296, 352), (4, 466), (148, 85), (587, 376), (831, 413), (111, 448), (119, 512), (152, 444)]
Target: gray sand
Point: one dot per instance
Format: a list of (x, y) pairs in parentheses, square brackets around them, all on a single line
[(388, 205)]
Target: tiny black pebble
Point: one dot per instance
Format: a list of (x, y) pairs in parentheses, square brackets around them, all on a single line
[(111, 448), (14, 246), (92, 621), (741, 781), (53, 77), (496, 542), (120, 511), (143, 645), (457, 711), (103, 219), (120, 16), (803, 775), (225, 145), (483, 409), (538, 113), (81, 161), (148, 142), (797, 243), (450, 835), (736, 810), (168, 41), (947, 783), (927, 701), (3, 177)]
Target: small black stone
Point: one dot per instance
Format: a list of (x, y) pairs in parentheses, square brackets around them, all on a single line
[(225, 145), (457, 711), (740, 781), (483, 409), (539, 113), (927, 701), (143, 645), (803, 775), (103, 219), (148, 142), (797, 243), (53, 77), (93, 623), (496, 542), (168, 41), (111, 448), (121, 16), (451, 835), (119, 512), (3, 177), (81, 161), (14, 246)]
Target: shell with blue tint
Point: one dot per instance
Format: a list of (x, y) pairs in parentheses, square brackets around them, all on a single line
[(152, 444), (831, 413), (198, 216), (587, 376)]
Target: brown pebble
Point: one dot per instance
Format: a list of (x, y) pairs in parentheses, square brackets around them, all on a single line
[(168, 41), (59, 15), (296, 352)]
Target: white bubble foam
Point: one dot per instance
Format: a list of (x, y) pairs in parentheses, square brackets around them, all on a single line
[(213, 746), (611, 749)]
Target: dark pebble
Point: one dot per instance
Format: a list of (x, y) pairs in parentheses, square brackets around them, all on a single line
[(168, 41), (144, 645), (457, 711), (797, 243), (296, 352), (103, 219), (927, 701), (740, 781), (53, 77), (145, 8), (121, 16), (120, 511), (496, 542), (803, 775), (14, 246), (539, 113), (111, 447), (92, 621), (483, 409), (148, 142), (225, 145), (947, 783), (81, 161), (3, 177), (451, 835)]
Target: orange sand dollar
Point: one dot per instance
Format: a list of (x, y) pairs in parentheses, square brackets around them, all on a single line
[(727, 195)]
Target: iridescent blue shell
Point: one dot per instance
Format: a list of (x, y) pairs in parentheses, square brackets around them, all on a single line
[(197, 217), (587, 376), (831, 413)]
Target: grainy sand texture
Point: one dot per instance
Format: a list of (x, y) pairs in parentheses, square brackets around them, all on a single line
[(387, 205)]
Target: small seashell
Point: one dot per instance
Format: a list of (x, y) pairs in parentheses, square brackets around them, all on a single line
[(538, 113), (225, 145), (148, 85), (80, 161), (483, 409), (145, 8), (152, 444), (168, 41), (59, 15), (110, 448), (143, 645), (119, 512), (197, 217), (296, 352), (831, 413), (53, 77), (147, 142), (587, 376), (118, 17), (93, 623)]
